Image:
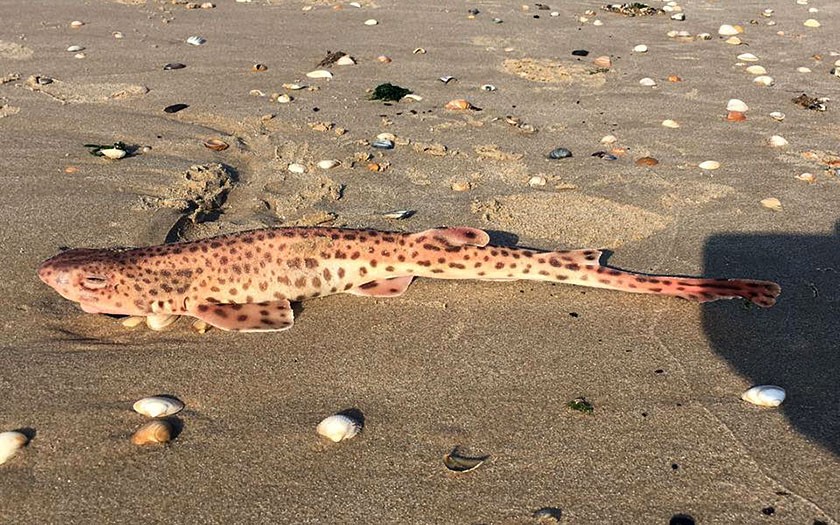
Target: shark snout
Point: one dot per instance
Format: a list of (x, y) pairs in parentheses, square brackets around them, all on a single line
[(53, 277)]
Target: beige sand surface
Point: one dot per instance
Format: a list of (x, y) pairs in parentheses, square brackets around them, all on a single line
[(487, 366)]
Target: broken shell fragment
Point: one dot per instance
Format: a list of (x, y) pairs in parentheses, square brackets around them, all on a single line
[(608, 139), (10, 443), (777, 141), (259, 68), (75, 49), (153, 432), (158, 406), (293, 86), (345, 60), (807, 177), (668, 123), (735, 104), (772, 203), (736, 116), (488, 87), (283, 98), (133, 321), (383, 59), (777, 115), (196, 41), (458, 105), (765, 395), (398, 214), (734, 41), (709, 165), (216, 144), (319, 73), (328, 164), (456, 462), (112, 153), (338, 427)]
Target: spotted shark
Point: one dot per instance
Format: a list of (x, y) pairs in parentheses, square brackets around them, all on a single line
[(245, 281)]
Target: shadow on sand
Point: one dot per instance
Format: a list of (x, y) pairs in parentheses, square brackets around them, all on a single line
[(796, 344)]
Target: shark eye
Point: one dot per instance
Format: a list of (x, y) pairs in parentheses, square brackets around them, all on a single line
[(94, 282)]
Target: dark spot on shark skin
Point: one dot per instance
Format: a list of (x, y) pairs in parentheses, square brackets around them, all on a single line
[(221, 313)]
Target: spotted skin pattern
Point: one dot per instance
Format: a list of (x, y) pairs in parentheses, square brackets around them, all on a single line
[(246, 281)]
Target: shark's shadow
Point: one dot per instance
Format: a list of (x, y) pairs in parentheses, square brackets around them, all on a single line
[(795, 344)]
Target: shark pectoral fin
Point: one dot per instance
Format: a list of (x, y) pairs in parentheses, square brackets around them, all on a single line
[(383, 287), (460, 236), (271, 316)]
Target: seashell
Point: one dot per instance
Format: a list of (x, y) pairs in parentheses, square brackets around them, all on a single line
[(765, 395), (807, 177), (413, 97), (674, 78), (603, 62), (764, 80), (756, 70), (670, 123), (173, 66), (383, 144), (548, 515), (296, 168), (767, 12), (447, 79), (641, 48), (704, 36), (536, 181), (399, 214), (293, 87), (777, 141), (76, 24), (259, 68), (458, 105), (153, 432), (199, 326), (709, 165), (10, 443), (672, 34), (158, 406), (608, 139), (386, 136), (371, 22), (256, 93), (488, 87), (207, 5), (383, 59), (338, 427), (79, 55), (597, 23), (158, 322), (811, 23), (559, 153), (460, 186), (772, 203), (319, 73), (133, 321), (730, 30), (328, 164), (196, 41), (175, 108), (112, 153), (604, 155), (419, 51), (457, 462), (647, 82), (678, 17), (733, 41), (647, 162), (284, 98), (75, 49), (777, 115), (117, 34), (747, 57), (736, 116), (216, 144), (735, 104), (345, 60)]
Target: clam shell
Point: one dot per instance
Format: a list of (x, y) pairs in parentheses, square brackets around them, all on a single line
[(603, 62), (729, 30), (807, 177), (75, 49), (734, 41), (158, 406), (133, 321), (386, 136), (735, 104), (293, 86), (764, 395), (811, 23), (764, 80), (747, 57), (608, 139), (319, 73), (457, 462), (383, 59), (196, 40), (10, 443), (458, 105), (297, 168), (328, 164), (756, 70), (216, 144), (338, 427), (736, 116), (284, 98), (76, 24), (371, 22), (670, 123), (777, 141), (345, 60), (158, 322), (647, 82), (772, 203), (153, 432), (709, 165), (413, 97), (112, 153), (641, 48), (398, 214)]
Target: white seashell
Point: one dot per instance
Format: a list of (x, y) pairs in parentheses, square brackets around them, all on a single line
[(112, 153), (284, 99), (807, 177), (328, 164), (297, 168), (765, 395), (196, 41), (338, 428), (79, 55), (728, 30), (319, 73), (704, 36), (398, 214), (256, 93), (597, 23), (355, 4), (811, 23), (412, 96), (777, 141), (117, 34), (153, 432), (756, 70), (76, 24), (75, 49), (671, 34), (10, 443), (709, 165), (133, 321), (772, 203), (777, 115), (670, 123), (609, 139), (294, 86), (678, 17), (647, 82), (641, 48), (767, 12), (346, 60), (764, 80), (813, 10), (803, 69), (735, 104), (747, 57), (371, 22), (160, 321), (158, 406), (536, 181), (734, 41)]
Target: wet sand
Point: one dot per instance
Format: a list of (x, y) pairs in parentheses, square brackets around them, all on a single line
[(487, 366)]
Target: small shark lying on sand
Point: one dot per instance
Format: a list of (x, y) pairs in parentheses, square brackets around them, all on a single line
[(244, 281)]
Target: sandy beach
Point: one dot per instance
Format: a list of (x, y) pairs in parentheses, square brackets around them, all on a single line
[(487, 367)]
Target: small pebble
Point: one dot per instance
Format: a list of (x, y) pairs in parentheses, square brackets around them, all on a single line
[(559, 153), (173, 66), (678, 17), (603, 62), (461, 186), (175, 108)]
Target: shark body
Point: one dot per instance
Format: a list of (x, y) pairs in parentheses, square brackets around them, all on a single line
[(246, 281)]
